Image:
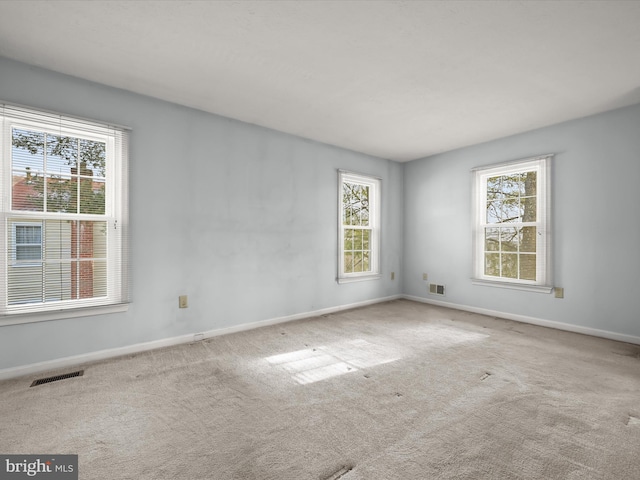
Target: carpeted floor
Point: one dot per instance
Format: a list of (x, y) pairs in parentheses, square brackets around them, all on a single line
[(399, 390)]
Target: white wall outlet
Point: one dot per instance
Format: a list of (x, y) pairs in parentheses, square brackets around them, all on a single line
[(424, 277), (558, 292), (182, 301), (393, 275)]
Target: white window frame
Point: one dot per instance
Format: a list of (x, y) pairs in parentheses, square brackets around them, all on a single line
[(14, 250), (374, 185), (541, 165), (115, 216)]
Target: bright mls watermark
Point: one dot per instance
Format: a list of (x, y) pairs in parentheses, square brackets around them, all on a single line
[(50, 467)]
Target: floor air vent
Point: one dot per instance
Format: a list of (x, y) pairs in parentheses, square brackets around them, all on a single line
[(55, 378), (436, 289)]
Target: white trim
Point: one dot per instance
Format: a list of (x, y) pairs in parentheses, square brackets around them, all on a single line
[(26, 111), (514, 286), (65, 362), (513, 162), (567, 327), (61, 314), (359, 278)]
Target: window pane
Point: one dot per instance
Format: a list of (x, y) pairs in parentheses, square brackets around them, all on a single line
[(366, 266), (347, 202), (348, 239), (83, 279), (57, 281), (366, 235), (364, 216), (27, 150), (24, 284), (529, 213), (511, 198), (28, 252), (62, 194), (348, 262), (62, 155), (530, 183), (528, 266), (492, 264), (92, 196), (512, 185), (355, 199), (28, 234), (27, 192), (75, 263), (509, 265), (90, 237), (509, 239), (492, 239), (99, 245), (494, 211), (364, 205), (99, 278), (92, 158), (357, 239), (494, 189), (504, 211), (528, 239), (24, 242), (357, 261)]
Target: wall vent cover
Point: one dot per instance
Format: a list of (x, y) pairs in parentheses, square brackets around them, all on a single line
[(436, 289), (55, 378)]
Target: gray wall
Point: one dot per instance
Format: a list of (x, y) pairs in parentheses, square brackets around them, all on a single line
[(240, 218), (596, 223)]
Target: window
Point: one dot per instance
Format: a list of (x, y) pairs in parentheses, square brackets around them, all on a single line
[(64, 213), (359, 227), (511, 232), (27, 239)]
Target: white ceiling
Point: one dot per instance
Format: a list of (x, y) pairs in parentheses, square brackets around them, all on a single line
[(395, 79)]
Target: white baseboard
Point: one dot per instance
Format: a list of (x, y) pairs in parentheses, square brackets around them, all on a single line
[(594, 332), (74, 360)]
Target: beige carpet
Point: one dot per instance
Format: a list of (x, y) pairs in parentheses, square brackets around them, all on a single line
[(399, 390)]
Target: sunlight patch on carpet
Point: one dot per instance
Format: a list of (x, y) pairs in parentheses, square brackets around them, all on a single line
[(315, 364), (444, 336)]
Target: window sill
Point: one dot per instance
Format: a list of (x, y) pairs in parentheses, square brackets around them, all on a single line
[(359, 278), (33, 317), (513, 286)]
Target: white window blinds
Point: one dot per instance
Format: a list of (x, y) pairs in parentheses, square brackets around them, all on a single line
[(64, 212)]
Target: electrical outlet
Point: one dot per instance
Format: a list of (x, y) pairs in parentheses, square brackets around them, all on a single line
[(424, 277), (182, 301), (559, 292), (393, 275)]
